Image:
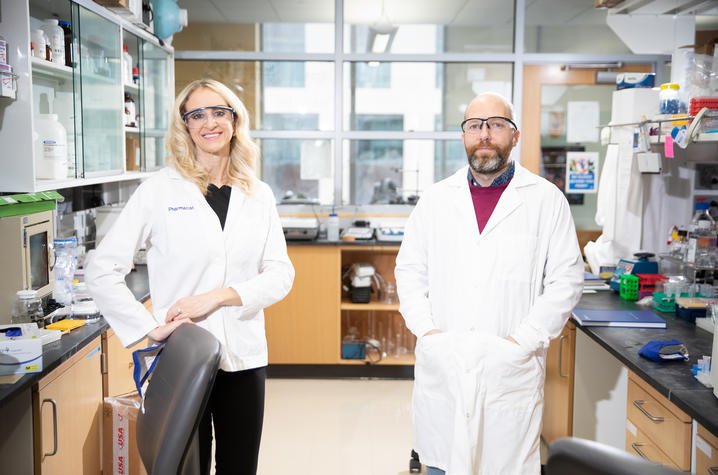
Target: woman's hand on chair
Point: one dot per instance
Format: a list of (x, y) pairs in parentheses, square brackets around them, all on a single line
[(163, 331)]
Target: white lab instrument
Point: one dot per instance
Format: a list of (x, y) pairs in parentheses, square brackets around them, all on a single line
[(359, 232), (390, 233), (360, 277), (297, 228)]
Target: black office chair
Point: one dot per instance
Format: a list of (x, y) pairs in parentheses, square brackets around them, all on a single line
[(572, 455), (175, 400)]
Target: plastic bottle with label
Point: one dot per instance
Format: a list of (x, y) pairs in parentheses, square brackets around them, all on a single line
[(37, 41), (3, 50), (126, 65), (67, 33), (56, 40), (50, 148), (333, 227)]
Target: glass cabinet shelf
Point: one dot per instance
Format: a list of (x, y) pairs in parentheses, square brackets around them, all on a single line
[(51, 70)]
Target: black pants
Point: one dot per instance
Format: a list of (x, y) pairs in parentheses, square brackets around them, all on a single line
[(237, 408)]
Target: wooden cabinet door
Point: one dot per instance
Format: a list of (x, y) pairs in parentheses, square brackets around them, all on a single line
[(117, 376), (67, 403), (558, 389), (118, 367), (304, 327), (706, 452)]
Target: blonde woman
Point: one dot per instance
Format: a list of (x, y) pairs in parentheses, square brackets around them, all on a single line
[(216, 257)]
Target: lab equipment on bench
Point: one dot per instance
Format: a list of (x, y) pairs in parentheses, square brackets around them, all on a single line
[(360, 277), (359, 232), (390, 233), (640, 265), (300, 228)]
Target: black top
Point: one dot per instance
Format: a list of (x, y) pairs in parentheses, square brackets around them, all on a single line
[(218, 199)]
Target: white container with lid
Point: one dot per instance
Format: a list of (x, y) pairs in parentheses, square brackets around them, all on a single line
[(56, 39), (37, 37), (50, 148)]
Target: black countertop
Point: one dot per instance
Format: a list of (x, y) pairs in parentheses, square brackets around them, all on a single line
[(57, 352), (357, 242), (672, 379)]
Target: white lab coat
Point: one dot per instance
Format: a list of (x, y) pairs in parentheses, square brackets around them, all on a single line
[(188, 253), (477, 399)]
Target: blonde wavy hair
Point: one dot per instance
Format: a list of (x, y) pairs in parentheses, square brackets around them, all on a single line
[(243, 152)]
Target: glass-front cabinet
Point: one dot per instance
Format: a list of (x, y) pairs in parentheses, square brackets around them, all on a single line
[(93, 96), (100, 95), (156, 103)]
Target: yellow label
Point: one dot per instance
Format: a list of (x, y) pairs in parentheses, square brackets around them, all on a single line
[(32, 368)]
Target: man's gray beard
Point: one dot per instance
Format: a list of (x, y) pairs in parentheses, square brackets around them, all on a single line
[(488, 166)]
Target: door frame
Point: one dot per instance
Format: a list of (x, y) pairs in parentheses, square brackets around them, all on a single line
[(537, 75)]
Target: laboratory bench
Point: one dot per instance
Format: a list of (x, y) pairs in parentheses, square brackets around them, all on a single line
[(599, 388), (672, 379), (52, 419)]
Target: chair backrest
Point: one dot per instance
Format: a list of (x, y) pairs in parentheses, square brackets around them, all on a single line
[(572, 455), (175, 400)]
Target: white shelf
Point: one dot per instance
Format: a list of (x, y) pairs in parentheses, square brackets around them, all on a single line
[(155, 132), (44, 68), (47, 185), (132, 130), (131, 88)]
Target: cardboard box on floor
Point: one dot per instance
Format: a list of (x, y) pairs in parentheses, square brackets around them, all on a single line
[(120, 455)]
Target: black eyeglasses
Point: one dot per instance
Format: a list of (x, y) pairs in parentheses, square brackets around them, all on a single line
[(196, 118), (473, 125)]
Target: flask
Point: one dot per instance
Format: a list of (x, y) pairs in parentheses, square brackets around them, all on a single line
[(126, 65), (333, 227), (50, 148), (701, 238), (67, 33), (27, 308), (56, 40)]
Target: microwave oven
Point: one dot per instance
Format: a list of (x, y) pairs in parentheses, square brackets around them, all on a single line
[(26, 257)]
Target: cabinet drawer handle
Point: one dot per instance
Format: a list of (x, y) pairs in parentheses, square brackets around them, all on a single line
[(560, 356), (712, 470), (639, 404), (635, 445), (54, 425)]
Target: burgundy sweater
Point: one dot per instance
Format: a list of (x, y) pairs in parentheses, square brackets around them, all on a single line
[(485, 199)]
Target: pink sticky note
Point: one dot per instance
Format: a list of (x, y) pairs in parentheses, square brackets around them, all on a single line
[(668, 147)]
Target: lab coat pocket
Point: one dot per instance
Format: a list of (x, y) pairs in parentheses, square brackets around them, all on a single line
[(513, 410), (433, 404)]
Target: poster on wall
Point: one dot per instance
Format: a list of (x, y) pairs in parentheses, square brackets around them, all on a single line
[(581, 172), (582, 119)]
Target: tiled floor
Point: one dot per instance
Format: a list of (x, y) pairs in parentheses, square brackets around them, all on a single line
[(337, 427), (332, 427)]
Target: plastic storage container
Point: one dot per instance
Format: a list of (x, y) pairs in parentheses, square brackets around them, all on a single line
[(37, 41), (27, 308), (50, 148), (701, 249), (669, 99), (333, 227), (56, 40)]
